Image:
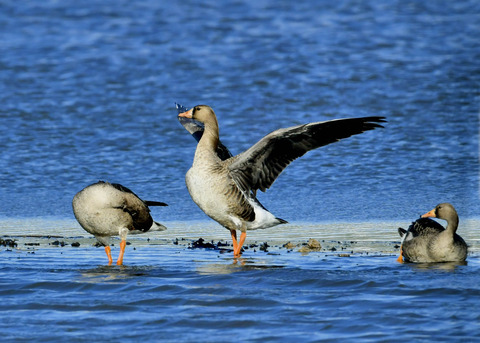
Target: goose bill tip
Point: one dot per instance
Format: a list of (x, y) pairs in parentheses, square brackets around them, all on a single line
[(186, 114), (429, 214)]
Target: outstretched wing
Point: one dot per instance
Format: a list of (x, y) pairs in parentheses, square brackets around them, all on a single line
[(259, 166)]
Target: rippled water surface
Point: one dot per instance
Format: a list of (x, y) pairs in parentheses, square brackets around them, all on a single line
[(167, 291), (87, 93)]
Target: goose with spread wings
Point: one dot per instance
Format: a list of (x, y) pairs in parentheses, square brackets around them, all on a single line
[(224, 187)]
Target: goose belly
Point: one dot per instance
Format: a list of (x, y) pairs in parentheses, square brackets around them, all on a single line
[(213, 197), (207, 193), (104, 222), (97, 210)]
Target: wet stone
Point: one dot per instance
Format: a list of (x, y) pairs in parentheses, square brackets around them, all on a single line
[(8, 243), (311, 246), (314, 244), (264, 247), (200, 244)]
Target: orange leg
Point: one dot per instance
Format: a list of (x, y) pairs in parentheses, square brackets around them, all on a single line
[(400, 258), (238, 251), (109, 254), (234, 240), (122, 252)]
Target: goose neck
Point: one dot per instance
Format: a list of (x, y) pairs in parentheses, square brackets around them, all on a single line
[(452, 223)]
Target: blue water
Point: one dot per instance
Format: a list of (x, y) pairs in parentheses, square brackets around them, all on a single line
[(87, 93), (270, 298)]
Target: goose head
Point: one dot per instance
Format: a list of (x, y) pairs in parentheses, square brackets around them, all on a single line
[(201, 113), (443, 211)]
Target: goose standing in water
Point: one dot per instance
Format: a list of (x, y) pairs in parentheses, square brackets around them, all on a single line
[(109, 209), (427, 241), (225, 187)]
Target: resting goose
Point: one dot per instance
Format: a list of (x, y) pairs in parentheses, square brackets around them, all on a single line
[(225, 188), (109, 209), (427, 241)]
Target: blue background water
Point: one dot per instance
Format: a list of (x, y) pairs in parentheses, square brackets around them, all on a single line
[(87, 92)]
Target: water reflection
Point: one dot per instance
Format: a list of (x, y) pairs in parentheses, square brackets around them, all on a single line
[(114, 273), (447, 266), (238, 264)]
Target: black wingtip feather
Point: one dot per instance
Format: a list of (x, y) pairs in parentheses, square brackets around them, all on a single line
[(372, 122), (155, 203)]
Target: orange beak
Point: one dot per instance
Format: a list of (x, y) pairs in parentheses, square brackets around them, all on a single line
[(187, 114), (429, 214)]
